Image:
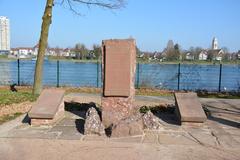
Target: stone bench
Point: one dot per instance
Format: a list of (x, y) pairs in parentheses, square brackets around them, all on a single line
[(189, 109), (48, 108)]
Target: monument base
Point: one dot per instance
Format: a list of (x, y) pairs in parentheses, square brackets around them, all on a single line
[(131, 126), (115, 109)]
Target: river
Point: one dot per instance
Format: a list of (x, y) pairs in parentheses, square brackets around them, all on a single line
[(162, 76)]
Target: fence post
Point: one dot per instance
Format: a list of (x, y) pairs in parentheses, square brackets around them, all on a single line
[(97, 73), (220, 78), (138, 74), (179, 70), (57, 73), (18, 70)]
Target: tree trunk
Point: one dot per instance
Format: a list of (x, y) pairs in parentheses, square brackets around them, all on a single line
[(46, 21)]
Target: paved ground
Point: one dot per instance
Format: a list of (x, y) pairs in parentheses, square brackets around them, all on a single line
[(218, 138)]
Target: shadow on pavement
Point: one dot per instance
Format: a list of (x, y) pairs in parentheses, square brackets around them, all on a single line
[(166, 114), (80, 109), (211, 111), (80, 125), (224, 121)]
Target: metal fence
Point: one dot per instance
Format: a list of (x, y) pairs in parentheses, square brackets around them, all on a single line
[(212, 77)]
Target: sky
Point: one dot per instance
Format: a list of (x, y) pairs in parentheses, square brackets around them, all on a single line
[(151, 22)]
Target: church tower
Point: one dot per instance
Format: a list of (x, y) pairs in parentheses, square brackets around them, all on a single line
[(214, 44)]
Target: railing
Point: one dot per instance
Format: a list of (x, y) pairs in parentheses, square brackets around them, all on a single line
[(212, 77)]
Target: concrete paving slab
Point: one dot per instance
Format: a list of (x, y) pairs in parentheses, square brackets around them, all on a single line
[(176, 138), (150, 137), (66, 132), (32, 133), (204, 138), (223, 137), (94, 138), (135, 139)]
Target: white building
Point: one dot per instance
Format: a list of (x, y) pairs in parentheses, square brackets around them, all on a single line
[(189, 56), (4, 34), (22, 52), (203, 55)]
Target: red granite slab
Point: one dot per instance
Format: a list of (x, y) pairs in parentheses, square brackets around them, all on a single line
[(47, 105), (189, 109)]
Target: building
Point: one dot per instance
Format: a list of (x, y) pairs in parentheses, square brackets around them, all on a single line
[(22, 52), (214, 53), (203, 55), (4, 35), (189, 56), (238, 55), (214, 44)]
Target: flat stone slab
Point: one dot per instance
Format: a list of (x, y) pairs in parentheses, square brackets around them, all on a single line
[(47, 104), (189, 109)]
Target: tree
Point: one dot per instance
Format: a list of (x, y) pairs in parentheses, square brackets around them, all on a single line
[(138, 51), (46, 22), (57, 51), (195, 51), (176, 51), (97, 51), (225, 49), (80, 51), (172, 51)]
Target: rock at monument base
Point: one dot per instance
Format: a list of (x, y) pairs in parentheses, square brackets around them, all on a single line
[(93, 124), (130, 126), (116, 109), (150, 121)]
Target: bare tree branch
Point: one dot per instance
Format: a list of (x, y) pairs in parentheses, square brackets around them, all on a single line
[(107, 4)]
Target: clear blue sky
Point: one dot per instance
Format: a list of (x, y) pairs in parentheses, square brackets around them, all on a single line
[(151, 22)]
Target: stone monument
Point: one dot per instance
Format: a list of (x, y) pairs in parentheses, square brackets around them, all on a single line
[(118, 66)]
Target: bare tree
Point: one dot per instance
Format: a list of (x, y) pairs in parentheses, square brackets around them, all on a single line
[(46, 22)]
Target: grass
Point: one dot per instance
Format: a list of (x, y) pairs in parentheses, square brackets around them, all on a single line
[(153, 92), (6, 118), (142, 91), (8, 97)]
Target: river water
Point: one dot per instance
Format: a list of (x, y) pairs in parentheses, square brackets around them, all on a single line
[(163, 76)]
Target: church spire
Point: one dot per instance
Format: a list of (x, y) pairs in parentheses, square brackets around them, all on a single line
[(214, 43)]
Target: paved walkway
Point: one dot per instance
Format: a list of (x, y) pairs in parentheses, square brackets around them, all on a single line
[(218, 138)]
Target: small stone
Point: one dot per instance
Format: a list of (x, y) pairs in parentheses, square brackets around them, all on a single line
[(93, 124), (130, 126), (150, 121)]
